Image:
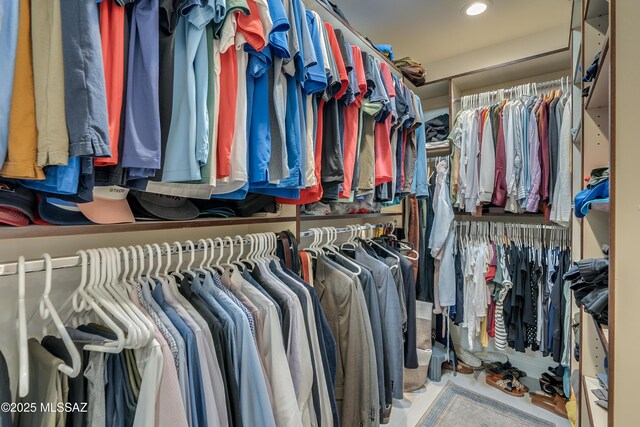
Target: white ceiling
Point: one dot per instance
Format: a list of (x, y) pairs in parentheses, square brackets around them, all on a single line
[(435, 30)]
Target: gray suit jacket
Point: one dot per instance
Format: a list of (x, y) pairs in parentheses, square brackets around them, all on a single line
[(391, 316), (346, 314)]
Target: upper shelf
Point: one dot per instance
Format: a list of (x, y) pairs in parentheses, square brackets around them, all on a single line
[(74, 230), (595, 8), (599, 92)]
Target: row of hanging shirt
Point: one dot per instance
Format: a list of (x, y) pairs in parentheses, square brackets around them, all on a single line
[(244, 342), (235, 343), (514, 152), (260, 96), (510, 287), (367, 292)]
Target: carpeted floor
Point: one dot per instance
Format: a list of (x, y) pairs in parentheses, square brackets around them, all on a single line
[(458, 406)]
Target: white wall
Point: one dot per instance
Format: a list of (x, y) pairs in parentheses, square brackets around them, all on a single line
[(546, 41)]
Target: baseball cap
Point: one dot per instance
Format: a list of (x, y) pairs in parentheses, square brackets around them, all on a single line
[(17, 198), (109, 206), (173, 208), (13, 217), (61, 212)]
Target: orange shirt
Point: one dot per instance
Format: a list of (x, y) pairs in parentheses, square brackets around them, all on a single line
[(250, 27), (335, 50), (351, 115), (112, 35), (383, 158)]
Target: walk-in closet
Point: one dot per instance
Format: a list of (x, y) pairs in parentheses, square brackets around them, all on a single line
[(318, 213)]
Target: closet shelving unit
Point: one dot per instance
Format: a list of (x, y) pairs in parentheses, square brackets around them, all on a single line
[(592, 149)]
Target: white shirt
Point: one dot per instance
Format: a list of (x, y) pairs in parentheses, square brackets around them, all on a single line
[(285, 408), (150, 362), (561, 208)]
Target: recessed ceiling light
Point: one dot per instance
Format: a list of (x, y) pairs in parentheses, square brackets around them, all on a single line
[(476, 8)]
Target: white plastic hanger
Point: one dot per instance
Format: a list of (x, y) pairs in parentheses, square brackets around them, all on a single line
[(203, 244), (21, 321), (110, 346), (391, 254), (95, 288), (112, 285), (177, 271), (333, 235), (119, 288), (47, 309)]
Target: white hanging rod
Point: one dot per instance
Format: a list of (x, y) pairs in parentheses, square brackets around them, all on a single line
[(11, 268), (522, 225), (542, 85), (325, 230)]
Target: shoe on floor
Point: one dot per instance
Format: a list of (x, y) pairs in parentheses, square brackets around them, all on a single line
[(491, 357)]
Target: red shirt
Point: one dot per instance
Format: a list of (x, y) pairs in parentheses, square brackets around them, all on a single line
[(382, 135), (112, 36), (351, 115), (252, 30)]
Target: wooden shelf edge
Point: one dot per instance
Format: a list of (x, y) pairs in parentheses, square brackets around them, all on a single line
[(75, 230), (595, 412), (304, 218), (589, 11), (603, 335), (597, 84)]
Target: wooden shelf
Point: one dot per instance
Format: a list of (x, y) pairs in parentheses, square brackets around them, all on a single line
[(599, 93), (596, 8), (304, 218), (577, 75), (74, 230), (601, 206), (598, 416), (603, 335)]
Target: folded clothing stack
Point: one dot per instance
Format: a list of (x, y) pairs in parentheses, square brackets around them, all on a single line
[(437, 129), (590, 285), (597, 191)]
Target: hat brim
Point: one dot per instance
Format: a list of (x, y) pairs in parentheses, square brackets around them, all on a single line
[(13, 217), (184, 212), (107, 211), (58, 216), (20, 205)]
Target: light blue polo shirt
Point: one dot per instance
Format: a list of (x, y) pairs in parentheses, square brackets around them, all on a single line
[(188, 141), (420, 186)]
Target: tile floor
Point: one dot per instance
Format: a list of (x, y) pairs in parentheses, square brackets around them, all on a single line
[(409, 411)]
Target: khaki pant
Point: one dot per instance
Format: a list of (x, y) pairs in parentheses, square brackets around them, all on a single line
[(48, 77)]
